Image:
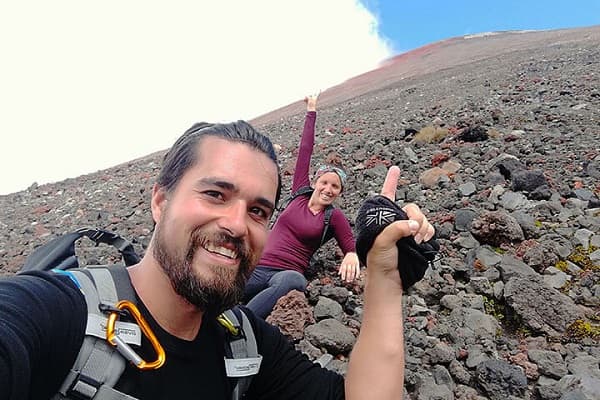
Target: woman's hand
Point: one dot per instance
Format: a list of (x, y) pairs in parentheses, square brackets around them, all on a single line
[(350, 268), (311, 102)]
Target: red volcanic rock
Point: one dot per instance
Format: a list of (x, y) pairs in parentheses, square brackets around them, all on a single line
[(439, 158), (291, 314)]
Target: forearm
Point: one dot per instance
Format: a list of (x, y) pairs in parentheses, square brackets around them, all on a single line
[(376, 368), (305, 152), (343, 232), (38, 311)]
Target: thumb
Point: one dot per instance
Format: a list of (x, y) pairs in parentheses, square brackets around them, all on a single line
[(383, 255), (394, 232)]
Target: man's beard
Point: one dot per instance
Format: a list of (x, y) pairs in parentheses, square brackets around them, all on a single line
[(212, 295)]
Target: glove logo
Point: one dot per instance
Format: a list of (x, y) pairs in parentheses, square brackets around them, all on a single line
[(380, 216)]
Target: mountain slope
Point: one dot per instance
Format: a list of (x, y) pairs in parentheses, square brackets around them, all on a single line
[(512, 183)]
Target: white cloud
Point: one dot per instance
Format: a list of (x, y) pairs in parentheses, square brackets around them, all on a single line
[(85, 85)]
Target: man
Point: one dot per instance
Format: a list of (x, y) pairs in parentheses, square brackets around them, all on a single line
[(211, 205)]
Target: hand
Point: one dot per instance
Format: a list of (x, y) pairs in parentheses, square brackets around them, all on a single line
[(383, 255), (311, 102), (350, 267)]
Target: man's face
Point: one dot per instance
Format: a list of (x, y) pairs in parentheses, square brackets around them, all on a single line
[(211, 230)]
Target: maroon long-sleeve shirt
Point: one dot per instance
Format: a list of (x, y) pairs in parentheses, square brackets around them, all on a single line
[(296, 235)]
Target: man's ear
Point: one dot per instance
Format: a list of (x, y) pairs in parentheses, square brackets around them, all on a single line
[(159, 202)]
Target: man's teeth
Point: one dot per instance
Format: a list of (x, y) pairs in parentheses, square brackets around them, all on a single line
[(221, 250)]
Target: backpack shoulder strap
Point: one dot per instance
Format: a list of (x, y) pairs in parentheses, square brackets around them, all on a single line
[(242, 360), (307, 190), (99, 365), (326, 222), (302, 191)]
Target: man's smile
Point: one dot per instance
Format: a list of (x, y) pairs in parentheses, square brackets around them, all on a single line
[(220, 250)]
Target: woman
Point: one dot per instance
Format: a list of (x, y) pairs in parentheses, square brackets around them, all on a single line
[(297, 233)]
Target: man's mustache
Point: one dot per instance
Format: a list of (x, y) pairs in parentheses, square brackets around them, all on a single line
[(198, 239)]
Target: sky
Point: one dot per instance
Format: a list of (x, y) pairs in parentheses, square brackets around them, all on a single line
[(86, 85), (412, 24)]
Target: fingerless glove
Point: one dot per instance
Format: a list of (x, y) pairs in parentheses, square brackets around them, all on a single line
[(413, 259)]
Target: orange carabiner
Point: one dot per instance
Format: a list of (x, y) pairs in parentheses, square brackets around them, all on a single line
[(123, 348)]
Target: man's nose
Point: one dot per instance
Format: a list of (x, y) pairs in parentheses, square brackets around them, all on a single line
[(234, 219)]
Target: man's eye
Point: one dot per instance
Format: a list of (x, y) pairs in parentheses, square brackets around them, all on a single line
[(214, 193), (259, 212)]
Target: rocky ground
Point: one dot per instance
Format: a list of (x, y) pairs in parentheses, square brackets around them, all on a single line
[(503, 152)]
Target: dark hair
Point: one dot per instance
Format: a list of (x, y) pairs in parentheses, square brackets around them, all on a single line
[(183, 154)]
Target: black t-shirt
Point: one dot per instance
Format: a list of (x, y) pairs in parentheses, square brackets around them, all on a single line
[(42, 324)]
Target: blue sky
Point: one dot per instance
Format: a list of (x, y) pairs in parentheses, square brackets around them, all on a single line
[(96, 83), (411, 24)]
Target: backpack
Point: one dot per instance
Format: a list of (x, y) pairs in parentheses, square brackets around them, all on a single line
[(105, 289), (308, 191), (59, 253)]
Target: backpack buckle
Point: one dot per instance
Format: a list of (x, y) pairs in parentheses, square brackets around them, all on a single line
[(123, 348), (234, 330), (98, 235), (83, 388), (107, 308), (102, 237)]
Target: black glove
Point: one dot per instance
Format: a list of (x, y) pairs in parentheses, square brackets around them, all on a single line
[(413, 259)]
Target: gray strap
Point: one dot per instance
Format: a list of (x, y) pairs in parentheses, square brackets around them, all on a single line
[(324, 360), (122, 283), (326, 223), (104, 364), (251, 347), (97, 362), (105, 285), (242, 347), (104, 393), (237, 345), (89, 290), (237, 390), (108, 393), (98, 366)]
